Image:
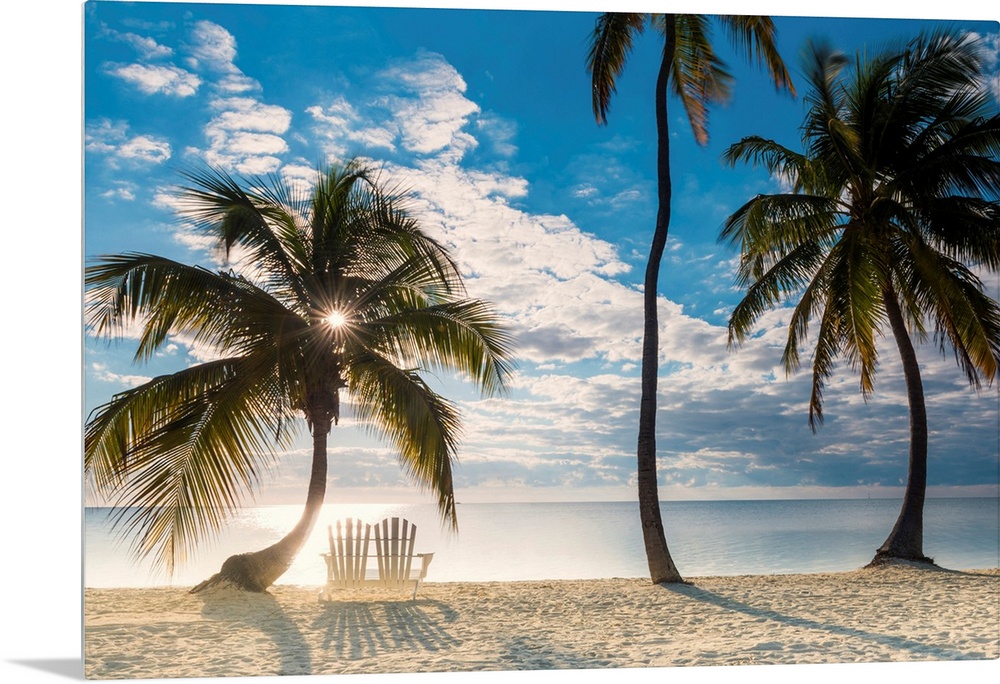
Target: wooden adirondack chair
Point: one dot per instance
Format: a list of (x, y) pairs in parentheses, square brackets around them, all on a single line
[(347, 562)]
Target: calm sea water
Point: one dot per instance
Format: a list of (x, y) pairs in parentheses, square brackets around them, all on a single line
[(527, 541)]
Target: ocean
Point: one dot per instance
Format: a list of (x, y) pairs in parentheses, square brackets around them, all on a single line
[(537, 541)]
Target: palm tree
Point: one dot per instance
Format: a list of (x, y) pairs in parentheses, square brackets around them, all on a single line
[(892, 203), (338, 290), (699, 78)]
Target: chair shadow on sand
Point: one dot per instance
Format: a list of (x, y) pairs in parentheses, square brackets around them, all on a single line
[(347, 630), (894, 642), (363, 629)]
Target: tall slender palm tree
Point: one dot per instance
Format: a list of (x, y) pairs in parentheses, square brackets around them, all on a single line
[(337, 290), (699, 78), (893, 203)]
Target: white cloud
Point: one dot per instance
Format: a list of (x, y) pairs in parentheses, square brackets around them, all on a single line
[(552, 279), (147, 47), (122, 190), (236, 84), (145, 148), (113, 138), (990, 52), (420, 107), (434, 110), (249, 114), (212, 48), (246, 135), (342, 130), (625, 197), (100, 372), (166, 80), (199, 243)]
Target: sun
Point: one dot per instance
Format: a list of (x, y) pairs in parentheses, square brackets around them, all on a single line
[(336, 319)]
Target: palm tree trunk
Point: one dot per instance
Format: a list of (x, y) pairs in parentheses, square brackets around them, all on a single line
[(661, 566), (258, 570), (906, 541)]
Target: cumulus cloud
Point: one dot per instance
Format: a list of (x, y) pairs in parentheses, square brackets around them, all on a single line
[(342, 130), (246, 135), (146, 47), (123, 190), (99, 371), (145, 148), (211, 52), (157, 79), (434, 120), (212, 48), (114, 139)]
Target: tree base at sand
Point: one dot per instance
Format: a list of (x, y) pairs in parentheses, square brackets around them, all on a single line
[(244, 571)]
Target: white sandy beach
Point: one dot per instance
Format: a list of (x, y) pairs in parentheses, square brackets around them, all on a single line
[(895, 613)]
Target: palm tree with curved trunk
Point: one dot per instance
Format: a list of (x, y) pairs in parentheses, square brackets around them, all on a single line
[(892, 205), (336, 290), (690, 66)]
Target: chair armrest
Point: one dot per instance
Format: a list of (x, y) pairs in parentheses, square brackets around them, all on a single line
[(425, 559)]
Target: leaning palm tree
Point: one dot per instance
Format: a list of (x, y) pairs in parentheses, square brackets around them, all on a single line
[(698, 77), (335, 290), (893, 206)]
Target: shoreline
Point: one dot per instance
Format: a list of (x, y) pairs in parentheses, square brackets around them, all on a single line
[(893, 613)]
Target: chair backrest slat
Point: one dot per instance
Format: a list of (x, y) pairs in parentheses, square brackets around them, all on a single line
[(408, 557), (394, 540), (348, 552), (394, 552)]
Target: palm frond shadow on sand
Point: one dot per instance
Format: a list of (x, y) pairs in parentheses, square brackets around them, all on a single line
[(263, 612)]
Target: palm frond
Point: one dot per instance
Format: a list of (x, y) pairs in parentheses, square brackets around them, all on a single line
[(423, 426), (965, 317), (610, 44), (828, 346), (221, 207), (780, 162), (698, 76), (756, 36), (856, 283), (787, 276), (767, 227), (463, 336), (812, 304), (221, 310), (179, 453), (963, 228)]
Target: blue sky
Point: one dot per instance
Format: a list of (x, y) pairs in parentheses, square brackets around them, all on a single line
[(486, 116)]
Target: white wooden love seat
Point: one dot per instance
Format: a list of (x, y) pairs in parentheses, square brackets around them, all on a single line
[(389, 542)]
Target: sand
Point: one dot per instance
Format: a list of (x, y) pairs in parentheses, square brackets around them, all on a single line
[(894, 613)]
